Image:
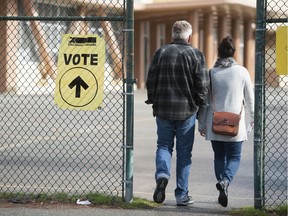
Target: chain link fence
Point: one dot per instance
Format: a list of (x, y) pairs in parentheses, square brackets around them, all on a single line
[(45, 149), (271, 101), (276, 86)]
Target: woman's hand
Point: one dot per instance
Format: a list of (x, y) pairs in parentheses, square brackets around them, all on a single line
[(250, 127)]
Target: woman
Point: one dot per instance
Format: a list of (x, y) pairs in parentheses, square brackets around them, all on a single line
[(231, 91)]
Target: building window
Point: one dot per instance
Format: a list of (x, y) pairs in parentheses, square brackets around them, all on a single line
[(146, 47), (241, 53), (53, 30), (161, 35)]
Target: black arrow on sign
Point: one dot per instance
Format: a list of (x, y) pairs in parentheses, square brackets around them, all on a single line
[(78, 82)]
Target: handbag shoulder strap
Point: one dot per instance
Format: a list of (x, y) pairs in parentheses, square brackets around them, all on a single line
[(212, 97)]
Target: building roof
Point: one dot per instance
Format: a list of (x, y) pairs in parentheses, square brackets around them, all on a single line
[(152, 8)]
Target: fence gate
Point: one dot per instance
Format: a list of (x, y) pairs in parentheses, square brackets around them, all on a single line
[(78, 149), (271, 103)]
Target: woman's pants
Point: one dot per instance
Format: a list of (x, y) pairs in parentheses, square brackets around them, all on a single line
[(226, 159)]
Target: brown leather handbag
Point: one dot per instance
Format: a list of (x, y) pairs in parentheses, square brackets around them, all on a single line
[(226, 123)]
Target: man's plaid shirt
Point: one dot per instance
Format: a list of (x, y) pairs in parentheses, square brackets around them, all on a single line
[(177, 82)]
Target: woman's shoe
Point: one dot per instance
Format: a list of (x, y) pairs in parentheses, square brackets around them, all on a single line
[(222, 186)]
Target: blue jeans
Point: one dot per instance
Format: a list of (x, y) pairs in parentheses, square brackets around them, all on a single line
[(227, 157), (183, 131)]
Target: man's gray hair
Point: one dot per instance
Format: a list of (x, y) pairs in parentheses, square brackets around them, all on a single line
[(181, 30)]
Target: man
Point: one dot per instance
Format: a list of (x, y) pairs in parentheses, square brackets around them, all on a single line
[(177, 84)]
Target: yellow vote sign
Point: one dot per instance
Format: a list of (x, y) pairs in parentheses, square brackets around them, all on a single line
[(80, 74), (282, 50)]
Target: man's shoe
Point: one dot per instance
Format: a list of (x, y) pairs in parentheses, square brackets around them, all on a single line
[(159, 193), (186, 201), (222, 186)]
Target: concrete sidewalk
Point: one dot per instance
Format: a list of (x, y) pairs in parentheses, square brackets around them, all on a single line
[(201, 183), (88, 211), (167, 209)]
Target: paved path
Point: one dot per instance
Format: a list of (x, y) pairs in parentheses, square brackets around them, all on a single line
[(202, 181)]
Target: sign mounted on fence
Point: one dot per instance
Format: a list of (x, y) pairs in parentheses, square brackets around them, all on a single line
[(282, 50), (80, 73)]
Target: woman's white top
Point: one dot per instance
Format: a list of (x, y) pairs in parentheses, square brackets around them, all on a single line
[(231, 87)]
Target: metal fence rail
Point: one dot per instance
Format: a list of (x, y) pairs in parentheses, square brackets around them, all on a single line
[(271, 107), (43, 147)]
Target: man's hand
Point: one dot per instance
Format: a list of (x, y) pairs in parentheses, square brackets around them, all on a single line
[(202, 132), (148, 102)]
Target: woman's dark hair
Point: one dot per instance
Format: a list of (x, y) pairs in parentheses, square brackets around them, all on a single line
[(226, 48)]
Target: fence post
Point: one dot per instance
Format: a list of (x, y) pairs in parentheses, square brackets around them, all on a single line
[(130, 100), (259, 105)]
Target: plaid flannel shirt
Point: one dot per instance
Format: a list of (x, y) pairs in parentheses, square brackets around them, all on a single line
[(177, 82)]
